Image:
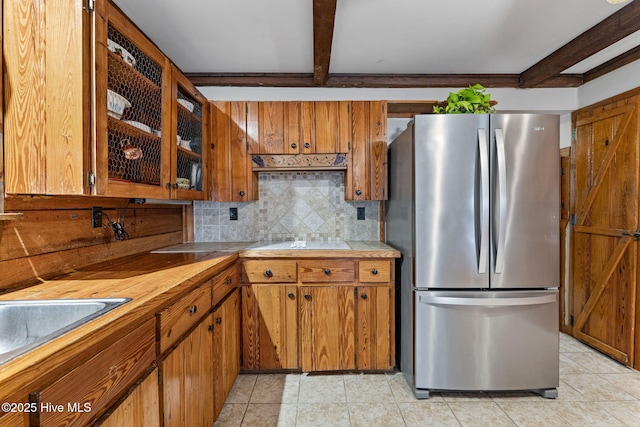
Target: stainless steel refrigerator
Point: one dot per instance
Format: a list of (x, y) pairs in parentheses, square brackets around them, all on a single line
[(474, 208)]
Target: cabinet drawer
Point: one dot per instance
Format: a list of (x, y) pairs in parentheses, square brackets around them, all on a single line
[(270, 271), (224, 283), (321, 271), (100, 380), (374, 271), (179, 317)]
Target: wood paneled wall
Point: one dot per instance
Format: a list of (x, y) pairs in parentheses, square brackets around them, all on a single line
[(55, 235)]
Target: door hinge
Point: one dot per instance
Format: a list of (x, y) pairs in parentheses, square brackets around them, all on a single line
[(349, 145), (348, 108), (91, 179), (561, 171), (573, 219), (571, 320), (90, 5), (574, 134), (159, 377), (635, 235)]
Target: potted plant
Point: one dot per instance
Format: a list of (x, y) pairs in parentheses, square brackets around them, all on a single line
[(471, 100)]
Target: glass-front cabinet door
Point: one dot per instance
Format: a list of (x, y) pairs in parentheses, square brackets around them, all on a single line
[(132, 111), (188, 140)]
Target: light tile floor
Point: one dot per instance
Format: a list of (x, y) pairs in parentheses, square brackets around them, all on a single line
[(594, 391)]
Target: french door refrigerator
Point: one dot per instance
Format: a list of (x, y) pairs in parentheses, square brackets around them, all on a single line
[(474, 208)]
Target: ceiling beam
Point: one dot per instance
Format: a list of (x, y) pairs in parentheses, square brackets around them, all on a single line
[(612, 29), (324, 16), (373, 80), (613, 64)]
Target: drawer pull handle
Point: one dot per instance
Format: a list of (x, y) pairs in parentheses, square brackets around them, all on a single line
[(307, 145), (218, 320), (307, 297), (327, 271), (294, 145), (241, 193), (358, 192), (228, 280), (374, 272), (291, 295), (363, 296), (268, 273), (193, 309)]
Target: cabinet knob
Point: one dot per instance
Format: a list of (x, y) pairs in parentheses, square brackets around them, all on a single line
[(218, 320), (363, 296), (327, 271), (291, 295), (374, 272), (294, 145), (268, 273), (307, 145), (307, 297), (241, 193), (167, 186), (358, 192), (193, 309), (210, 328), (228, 280), (175, 185)]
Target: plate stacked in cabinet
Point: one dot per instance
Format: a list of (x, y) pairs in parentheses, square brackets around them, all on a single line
[(188, 142)]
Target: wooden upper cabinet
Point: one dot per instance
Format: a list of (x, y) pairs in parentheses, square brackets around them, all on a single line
[(78, 127), (46, 97), (367, 172), (133, 110), (189, 131), (271, 128), (233, 178), (299, 127)]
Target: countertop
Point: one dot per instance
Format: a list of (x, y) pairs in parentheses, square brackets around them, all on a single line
[(340, 249), (151, 280)]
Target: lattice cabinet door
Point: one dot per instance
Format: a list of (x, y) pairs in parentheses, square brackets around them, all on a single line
[(133, 113), (189, 140)]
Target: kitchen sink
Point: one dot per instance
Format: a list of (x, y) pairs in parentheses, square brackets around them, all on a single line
[(27, 324)]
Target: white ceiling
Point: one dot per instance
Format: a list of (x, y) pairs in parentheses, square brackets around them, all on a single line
[(370, 36)]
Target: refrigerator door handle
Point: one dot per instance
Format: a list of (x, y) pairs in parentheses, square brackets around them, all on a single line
[(502, 195), (485, 302), (484, 203)]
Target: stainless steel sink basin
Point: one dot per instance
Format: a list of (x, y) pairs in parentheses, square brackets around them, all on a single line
[(26, 324)]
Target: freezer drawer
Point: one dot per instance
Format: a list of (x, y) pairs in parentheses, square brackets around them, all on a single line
[(468, 340)]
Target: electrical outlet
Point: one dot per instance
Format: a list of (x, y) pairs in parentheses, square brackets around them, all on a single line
[(360, 214), (96, 217), (233, 214)]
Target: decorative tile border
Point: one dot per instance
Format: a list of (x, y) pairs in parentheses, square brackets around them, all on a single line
[(262, 162)]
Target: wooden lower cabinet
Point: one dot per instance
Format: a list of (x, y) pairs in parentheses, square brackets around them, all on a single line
[(327, 328), (19, 418), (375, 331), (270, 326), (188, 378), (327, 314), (140, 408), (226, 344), (99, 381)]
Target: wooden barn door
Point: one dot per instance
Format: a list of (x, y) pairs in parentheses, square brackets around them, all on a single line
[(605, 204)]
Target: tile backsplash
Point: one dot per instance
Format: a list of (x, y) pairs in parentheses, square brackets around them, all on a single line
[(292, 205)]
